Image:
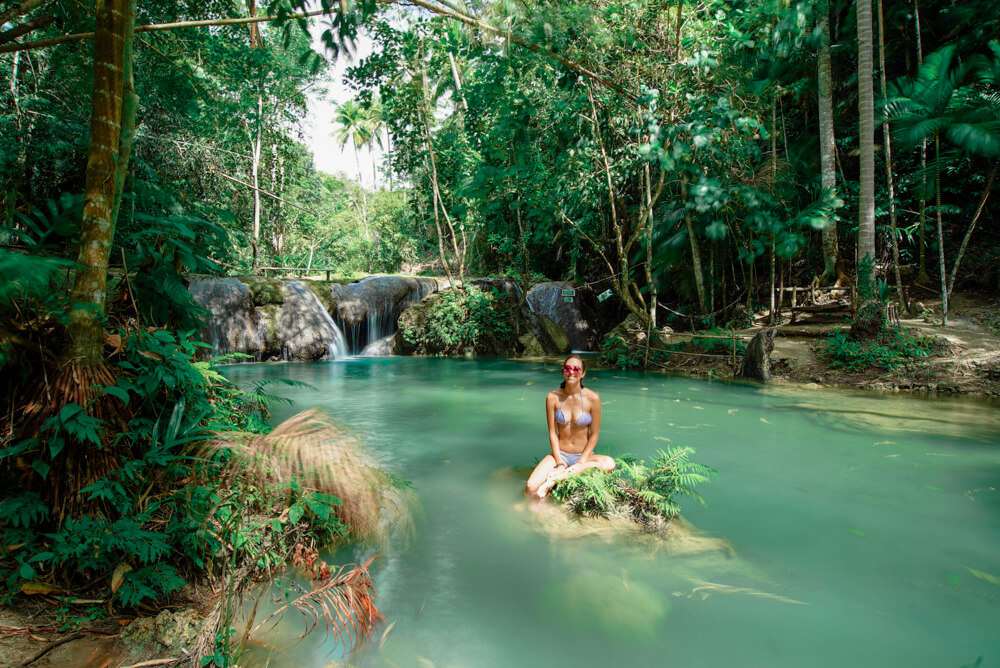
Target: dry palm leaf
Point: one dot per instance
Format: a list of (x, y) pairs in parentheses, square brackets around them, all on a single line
[(320, 456), (345, 604)]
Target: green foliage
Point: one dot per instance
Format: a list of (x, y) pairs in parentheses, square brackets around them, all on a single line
[(893, 349), (617, 352), (645, 493), (455, 320)]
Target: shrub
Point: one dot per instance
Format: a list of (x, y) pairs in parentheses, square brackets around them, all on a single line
[(892, 348), (646, 494), (454, 320)]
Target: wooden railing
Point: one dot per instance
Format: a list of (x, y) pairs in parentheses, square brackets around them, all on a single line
[(300, 270)]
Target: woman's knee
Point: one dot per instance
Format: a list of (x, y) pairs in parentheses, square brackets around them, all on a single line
[(606, 464)]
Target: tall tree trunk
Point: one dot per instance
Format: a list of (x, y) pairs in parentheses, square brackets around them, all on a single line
[(256, 140), (866, 128), (97, 227), (940, 231), (922, 276), (887, 138), (364, 196), (827, 143)]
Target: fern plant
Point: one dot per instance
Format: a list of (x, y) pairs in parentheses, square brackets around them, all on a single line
[(644, 493)]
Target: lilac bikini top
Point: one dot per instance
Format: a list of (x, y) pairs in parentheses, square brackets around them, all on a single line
[(581, 421)]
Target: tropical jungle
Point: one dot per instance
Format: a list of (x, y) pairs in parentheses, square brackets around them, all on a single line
[(283, 287)]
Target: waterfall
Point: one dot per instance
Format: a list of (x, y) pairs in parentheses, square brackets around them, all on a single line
[(368, 311), (336, 347)]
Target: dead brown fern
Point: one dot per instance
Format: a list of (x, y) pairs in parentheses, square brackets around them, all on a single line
[(321, 456), (345, 603)]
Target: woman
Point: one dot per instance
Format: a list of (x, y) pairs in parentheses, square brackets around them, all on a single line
[(573, 414)]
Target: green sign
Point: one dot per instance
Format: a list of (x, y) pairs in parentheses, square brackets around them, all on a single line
[(604, 295), (567, 293), (567, 299)]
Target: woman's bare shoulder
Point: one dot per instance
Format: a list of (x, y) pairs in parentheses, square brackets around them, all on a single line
[(590, 394), (554, 395)]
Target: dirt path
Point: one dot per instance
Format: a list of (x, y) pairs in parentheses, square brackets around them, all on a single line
[(966, 360)]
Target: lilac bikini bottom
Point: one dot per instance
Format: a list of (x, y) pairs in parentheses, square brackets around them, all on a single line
[(570, 457)]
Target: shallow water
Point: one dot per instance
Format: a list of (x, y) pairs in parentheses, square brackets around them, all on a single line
[(865, 528)]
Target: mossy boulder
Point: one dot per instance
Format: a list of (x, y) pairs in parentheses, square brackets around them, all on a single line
[(264, 290), (555, 333)]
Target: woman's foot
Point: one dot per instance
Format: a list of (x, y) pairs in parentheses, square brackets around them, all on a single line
[(550, 481)]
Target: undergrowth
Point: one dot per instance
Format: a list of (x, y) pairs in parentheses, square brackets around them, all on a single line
[(455, 320), (893, 348), (618, 352), (165, 473), (644, 493)]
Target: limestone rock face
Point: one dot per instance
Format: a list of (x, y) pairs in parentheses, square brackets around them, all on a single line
[(757, 360), (556, 334), (356, 301), (234, 323), (532, 347), (573, 318), (176, 631), (305, 330)]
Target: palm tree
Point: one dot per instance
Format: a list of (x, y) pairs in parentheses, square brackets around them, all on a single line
[(827, 143), (866, 109), (943, 102), (353, 125)]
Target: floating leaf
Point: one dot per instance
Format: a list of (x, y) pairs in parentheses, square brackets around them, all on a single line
[(385, 634), (992, 579), (857, 532), (764, 420)]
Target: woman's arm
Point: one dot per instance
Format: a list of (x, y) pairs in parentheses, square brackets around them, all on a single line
[(550, 419), (595, 431)]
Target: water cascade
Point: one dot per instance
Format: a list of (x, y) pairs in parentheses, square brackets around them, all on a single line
[(304, 324), (368, 311)]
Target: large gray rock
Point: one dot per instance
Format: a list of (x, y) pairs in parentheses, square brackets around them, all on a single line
[(757, 360), (546, 299), (234, 323), (305, 329)]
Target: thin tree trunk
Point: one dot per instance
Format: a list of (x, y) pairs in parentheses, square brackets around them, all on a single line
[(255, 142), (922, 276), (677, 39), (886, 137), (97, 228), (972, 226), (940, 231), (699, 277), (866, 128), (434, 195), (770, 312), (827, 143), (364, 197)]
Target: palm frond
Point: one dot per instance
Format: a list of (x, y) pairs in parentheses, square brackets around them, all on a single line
[(345, 603), (311, 453)]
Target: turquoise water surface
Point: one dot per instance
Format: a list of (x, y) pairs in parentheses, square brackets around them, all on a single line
[(864, 528)]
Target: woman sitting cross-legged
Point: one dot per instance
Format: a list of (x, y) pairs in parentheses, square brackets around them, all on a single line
[(573, 413)]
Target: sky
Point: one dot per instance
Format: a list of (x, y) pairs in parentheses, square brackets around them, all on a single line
[(328, 156)]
